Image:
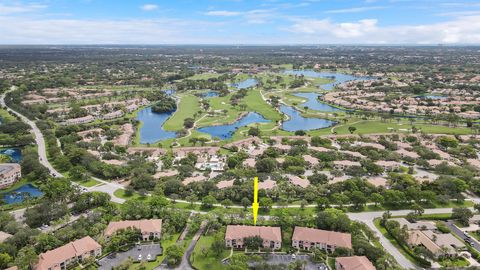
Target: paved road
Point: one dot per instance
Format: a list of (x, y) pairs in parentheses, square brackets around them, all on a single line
[(185, 264), (368, 217), (459, 233), (107, 187), (42, 153)]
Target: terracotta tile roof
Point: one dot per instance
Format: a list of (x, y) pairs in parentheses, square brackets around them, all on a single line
[(249, 162), (310, 159), (304, 183), (61, 254), (144, 225), (225, 184), (168, 173), (243, 231), (347, 163), (355, 263), (377, 181), (192, 179), (4, 236), (332, 238), (267, 184)]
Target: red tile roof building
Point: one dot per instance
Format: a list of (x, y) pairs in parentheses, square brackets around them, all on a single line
[(61, 257), (236, 234), (306, 238), (353, 263), (149, 228)]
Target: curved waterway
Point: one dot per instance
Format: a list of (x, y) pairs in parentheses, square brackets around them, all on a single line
[(297, 122), (224, 132), (338, 78), (313, 102), (152, 128)]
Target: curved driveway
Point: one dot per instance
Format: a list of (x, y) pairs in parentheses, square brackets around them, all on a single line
[(42, 153), (106, 186)]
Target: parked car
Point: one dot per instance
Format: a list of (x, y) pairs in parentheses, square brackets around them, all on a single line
[(139, 257)]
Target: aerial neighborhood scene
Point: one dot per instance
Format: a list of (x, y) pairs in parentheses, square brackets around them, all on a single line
[(239, 135)]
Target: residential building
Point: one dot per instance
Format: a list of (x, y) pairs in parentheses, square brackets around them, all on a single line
[(236, 234), (437, 244), (4, 236), (149, 228), (307, 238), (60, 258), (304, 183), (9, 174), (80, 120), (353, 263), (344, 164), (419, 225), (113, 115), (388, 165)]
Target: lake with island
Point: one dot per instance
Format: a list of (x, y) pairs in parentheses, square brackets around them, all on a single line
[(152, 128), (297, 122), (20, 194), (338, 78), (224, 132)]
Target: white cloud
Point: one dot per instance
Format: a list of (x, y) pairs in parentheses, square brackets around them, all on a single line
[(19, 8), (340, 30), (256, 16), (462, 30), (149, 7), (354, 10), (223, 13), (17, 30)]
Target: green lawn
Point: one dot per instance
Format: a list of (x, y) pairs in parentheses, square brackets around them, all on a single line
[(207, 261), (203, 76), (188, 106), (458, 262), (120, 193), (5, 116), (90, 183), (218, 105), (254, 102)]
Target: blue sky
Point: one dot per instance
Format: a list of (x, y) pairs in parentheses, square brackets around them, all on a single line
[(239, 22)]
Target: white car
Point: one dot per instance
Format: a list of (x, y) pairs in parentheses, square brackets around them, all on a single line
[(294, 256), (140, 257), (149, 257)]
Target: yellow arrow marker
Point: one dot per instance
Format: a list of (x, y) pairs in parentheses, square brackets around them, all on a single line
[(255, 200)]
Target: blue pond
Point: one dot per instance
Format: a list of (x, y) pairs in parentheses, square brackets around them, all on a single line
[(169, 92), (338, 78), (18, 195), (209, 94), (250, 82), (14, 153), (297, 122), (226, 131), (313, 103), (152, 128)]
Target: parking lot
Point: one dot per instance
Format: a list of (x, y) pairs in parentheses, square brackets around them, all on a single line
[(288, 258), (113, 260)]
